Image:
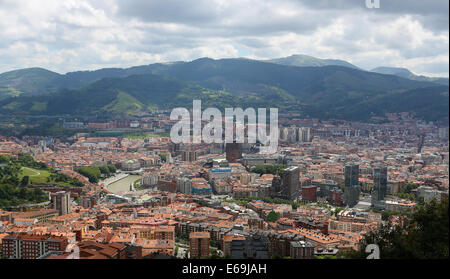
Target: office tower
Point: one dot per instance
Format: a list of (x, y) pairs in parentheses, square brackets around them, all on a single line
[(283, 133), (189, 156), (351, 175), (352, 188), (379, 185), (288, 134), (290, 182), (380, 182), (174, 147), (199, 245), (184, 185), (275, 188), (233, 152), (351, 195), (62, 203), (304, 134), (291, 134), (443, 133)]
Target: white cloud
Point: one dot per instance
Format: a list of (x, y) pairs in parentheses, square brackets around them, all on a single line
[(87, 34)]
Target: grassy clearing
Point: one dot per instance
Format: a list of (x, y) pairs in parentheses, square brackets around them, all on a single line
[(40, 177), (167, 135), (137, 136), (36, 176)]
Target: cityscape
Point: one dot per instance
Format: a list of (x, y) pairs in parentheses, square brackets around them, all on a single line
[(106, 153), (141, 196)]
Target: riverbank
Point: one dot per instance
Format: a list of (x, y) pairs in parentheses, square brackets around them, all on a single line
[(112, 179), (123, 184)]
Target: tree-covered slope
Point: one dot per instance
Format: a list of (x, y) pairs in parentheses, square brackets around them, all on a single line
[(32, 81), (324, 92), (405, 73)]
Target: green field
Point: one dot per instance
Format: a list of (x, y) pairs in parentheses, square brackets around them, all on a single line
[(41, 177), (137, 184), (146, 135), (36, 176), (137, 136), (109, 133), (160, 135)]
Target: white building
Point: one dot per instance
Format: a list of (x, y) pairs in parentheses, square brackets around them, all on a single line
[(304, 134), (184, 185), (149, 179), (131, 165), (428, 193), (443, 133)]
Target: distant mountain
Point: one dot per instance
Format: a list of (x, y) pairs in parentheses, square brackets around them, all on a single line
[(38, 81), (82, 78), (32, 81), (128, 95), (300, 60), (322, 92), (308, 85), (429, 103), (109, 95), (405, 73)]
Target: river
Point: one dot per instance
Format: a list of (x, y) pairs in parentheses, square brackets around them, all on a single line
[(122, 185)]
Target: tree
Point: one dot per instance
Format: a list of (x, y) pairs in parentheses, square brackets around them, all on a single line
[(214, 243), (104, 170), (325, 257), (268, 169), (336, 212), (93, 173), (426, 237), (25, 181), (112, 168), (25, 159), (4, 159), (163, 157), (273, 216)]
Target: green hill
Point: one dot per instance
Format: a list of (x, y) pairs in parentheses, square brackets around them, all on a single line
[(318, 86), (405, 73), (323, 92), (32, 81), (301, 60), (429, 103), (132, 94)]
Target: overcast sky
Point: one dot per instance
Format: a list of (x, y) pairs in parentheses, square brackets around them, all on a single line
[(74, 35)]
